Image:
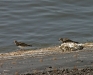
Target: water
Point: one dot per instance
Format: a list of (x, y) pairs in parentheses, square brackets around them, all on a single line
[(41, 23)]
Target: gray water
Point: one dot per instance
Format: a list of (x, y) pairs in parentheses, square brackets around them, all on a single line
[(42, 22)]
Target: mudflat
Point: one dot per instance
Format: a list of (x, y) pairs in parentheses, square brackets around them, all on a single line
[(45, 60)]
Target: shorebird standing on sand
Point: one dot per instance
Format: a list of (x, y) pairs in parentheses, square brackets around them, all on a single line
[(22, 45), (72, 45), (66, 40)]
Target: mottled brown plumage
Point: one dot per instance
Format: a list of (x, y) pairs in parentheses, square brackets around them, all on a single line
[(22, 45), (66, 40)]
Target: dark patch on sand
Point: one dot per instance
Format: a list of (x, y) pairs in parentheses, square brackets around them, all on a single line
[(63, 71)]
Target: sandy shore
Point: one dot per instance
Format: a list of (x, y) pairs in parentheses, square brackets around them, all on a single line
[(46, 61)]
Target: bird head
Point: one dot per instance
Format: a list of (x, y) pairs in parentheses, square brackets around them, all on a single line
[(60, 39), (15, 41)]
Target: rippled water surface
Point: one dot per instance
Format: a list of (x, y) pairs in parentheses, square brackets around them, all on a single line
[(42, 22)]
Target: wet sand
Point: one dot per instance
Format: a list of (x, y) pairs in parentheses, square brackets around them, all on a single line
[(44, 60)]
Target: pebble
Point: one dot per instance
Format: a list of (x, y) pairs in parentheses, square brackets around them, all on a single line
[(83, 71)]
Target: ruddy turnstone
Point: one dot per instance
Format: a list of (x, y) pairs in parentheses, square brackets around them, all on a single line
[(70, 45), (66, 40), (22, 45)]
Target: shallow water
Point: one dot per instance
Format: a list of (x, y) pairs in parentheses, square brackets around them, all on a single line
[(41, 23)]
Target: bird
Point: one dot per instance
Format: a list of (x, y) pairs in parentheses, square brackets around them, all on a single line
[(21, 45), (71, 46), (66, 40)]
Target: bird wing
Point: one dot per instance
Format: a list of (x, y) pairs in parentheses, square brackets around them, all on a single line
[(68, 40), (23, 44)]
